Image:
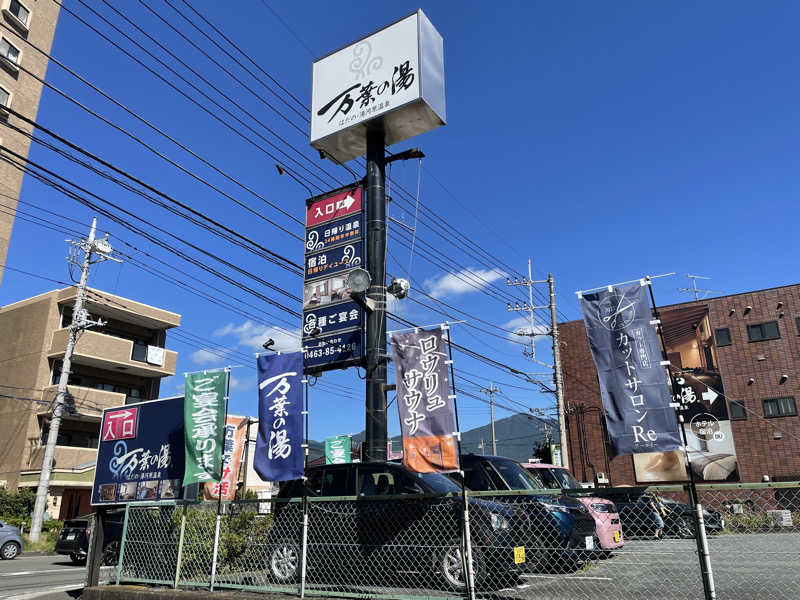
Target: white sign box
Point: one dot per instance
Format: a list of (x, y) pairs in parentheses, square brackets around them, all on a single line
[(392, 79)]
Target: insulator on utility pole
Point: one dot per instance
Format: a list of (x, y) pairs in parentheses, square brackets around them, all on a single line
[(80, 321)]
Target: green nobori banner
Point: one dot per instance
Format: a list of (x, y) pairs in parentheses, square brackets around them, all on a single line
[(337, 449), (204, 425)]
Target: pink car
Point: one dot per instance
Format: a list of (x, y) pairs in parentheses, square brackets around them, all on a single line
[(604, 513)]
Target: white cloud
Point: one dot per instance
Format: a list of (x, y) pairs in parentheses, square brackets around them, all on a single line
[(243, 383), (466, 280), (205, 357), (252, 336)]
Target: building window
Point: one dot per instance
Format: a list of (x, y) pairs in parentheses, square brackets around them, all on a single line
[(5, 97), (21, 12), (763, 331), (9, 51), (722, 336), (779, 407), (736, 411)]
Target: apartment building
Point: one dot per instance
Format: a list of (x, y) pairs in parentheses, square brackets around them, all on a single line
[(21, 21), (120, 363), (736, 362)]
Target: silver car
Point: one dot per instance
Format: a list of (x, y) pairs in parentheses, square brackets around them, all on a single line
[(10, 541)]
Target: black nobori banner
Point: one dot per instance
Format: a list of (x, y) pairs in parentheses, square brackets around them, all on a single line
[(633, 382)]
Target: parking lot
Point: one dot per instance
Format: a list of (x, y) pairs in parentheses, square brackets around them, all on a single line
[(744, 566)]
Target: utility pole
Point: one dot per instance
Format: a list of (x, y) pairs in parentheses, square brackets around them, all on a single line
[(491, 391), (80, 321), (375, 430), (558, 379)]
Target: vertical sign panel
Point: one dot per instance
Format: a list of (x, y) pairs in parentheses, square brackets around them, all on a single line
[(633, 383), (424, 402), (333, 324), (337, 449)]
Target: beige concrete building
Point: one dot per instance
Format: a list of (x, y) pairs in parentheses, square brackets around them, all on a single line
[(20, 20), (119, 363)]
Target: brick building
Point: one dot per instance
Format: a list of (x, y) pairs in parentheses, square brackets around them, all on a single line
[(745, 345), (26, 28)]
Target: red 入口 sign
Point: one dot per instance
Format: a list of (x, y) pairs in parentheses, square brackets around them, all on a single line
[(119, 424), (335, 206)]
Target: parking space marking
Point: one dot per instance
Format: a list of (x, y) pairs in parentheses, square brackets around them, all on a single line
[(562, 578), (18, 573)]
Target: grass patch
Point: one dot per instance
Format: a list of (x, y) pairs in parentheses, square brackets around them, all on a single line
[(46, 543)]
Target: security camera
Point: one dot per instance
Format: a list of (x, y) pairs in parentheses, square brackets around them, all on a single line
[(268, 344)]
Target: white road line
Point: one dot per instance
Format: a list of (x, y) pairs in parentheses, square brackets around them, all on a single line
[(563, 578), (18, 573), (44, 592)]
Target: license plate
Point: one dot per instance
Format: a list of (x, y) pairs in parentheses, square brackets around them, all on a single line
[(589, 542), (617, 536), (519, 555), (70, 536)]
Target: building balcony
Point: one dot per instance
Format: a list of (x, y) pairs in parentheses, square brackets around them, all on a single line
[(114, 354), (88, 400)]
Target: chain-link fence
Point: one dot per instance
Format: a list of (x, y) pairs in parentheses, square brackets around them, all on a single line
[(615, 542)]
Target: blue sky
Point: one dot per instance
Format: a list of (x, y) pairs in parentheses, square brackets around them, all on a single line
[(604, 141)]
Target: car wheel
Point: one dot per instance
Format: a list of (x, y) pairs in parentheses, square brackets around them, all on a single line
[(449, 566), (77, 560), (284, 561), (111, 554), (9, 551)]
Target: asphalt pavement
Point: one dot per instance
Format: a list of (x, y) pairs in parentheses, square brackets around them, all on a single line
[(41, 577)]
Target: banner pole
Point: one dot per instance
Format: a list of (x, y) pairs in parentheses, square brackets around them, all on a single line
[(304, 547), (180, 547), (700, 533), (219, 489), (466, 539)]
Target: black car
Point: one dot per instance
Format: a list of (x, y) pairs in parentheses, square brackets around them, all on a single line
[(559, 530), (638, 518), (73, 539), (382, 522)]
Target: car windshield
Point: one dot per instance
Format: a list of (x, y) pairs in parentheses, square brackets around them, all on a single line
[(438, 483), (513, 474)]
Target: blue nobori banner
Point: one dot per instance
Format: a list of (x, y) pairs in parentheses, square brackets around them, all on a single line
[(279, 447), (633, 382)]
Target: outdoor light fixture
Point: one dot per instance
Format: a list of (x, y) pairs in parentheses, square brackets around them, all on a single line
[(359, 280), (747, 309), (780, 305), (731, 311), (751, 381), (399, 288), (784, 378)]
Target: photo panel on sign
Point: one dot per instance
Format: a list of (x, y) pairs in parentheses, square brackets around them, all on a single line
[(322, 292)]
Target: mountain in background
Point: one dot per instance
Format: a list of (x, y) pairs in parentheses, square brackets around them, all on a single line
[(516, 437)]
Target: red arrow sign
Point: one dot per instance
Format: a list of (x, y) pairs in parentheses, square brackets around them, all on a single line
[(119, 425), (335, 206)]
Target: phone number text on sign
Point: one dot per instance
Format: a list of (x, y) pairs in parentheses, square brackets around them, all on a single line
[(339, 348)]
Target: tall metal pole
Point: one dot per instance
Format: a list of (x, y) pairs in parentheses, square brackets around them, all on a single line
[(558, 378), (490, 391), (531, 313), (55, 422), (376, 320)]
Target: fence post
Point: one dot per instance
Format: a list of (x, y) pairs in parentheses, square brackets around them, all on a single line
[(470, 572), (180, 548), (124, 537), (216, 549), (304, 550), (705, 558)]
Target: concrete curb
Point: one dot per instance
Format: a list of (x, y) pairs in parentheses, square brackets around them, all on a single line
[(133, 592), (39, 553)]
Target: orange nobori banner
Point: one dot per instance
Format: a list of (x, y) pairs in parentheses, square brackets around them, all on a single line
[(235, 429)]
